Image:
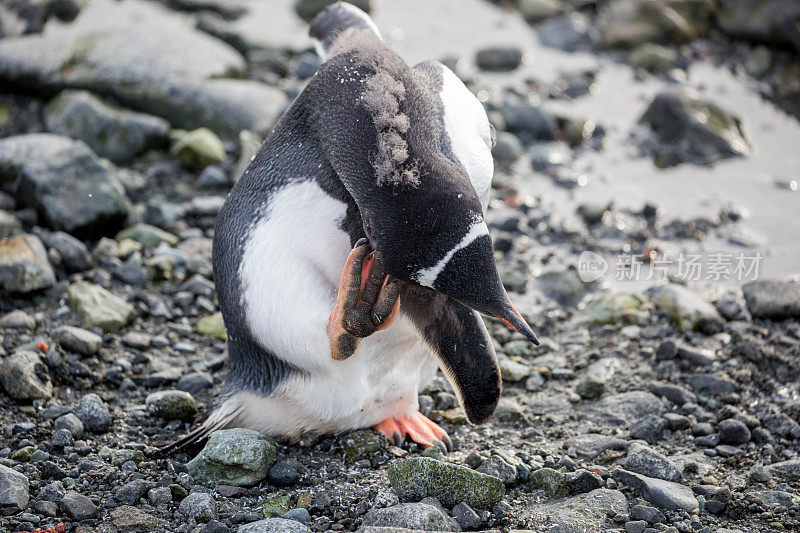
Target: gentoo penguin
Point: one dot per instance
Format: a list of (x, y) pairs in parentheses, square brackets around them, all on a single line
[(352, 255)]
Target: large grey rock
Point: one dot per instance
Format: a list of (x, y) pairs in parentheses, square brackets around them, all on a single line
[(663, 494), (687, 309), (229, 9), (308, 9), (11, 25), (199, 506), (24, 266), (25, 377), (113, 133), (147, 235), (9, 225), (411, 516), (584, 512), (500, 467), (149, 59), (529, 122), (226, 106), (772, 21), (78, 340), (552, 482), (129, 518), (171, 405), (499, 58), (74, 254), (613, 307), (273, 525), (788, 470), (421, 477), (733, 431), (64, 180), (624, 408), (592, 445), (507, 148), (646, 461), (100, 308), (536, 10), (130, 492), (198, 149), (674, 393), (772, 299), (711, 384), (569, 32), (93, 412), (687, 128), (564, 286), (13, 491), (71, 423), (653, 58), (781, 425), (626, 23), (511, 370), (77, 506), (17, 319), (772, 498), (237, 456), (649, 428)]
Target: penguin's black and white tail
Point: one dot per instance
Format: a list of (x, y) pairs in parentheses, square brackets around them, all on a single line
[(219, 419), (336, 19)]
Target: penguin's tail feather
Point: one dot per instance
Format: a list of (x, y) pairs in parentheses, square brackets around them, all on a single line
[(219, 419), (337, 19)]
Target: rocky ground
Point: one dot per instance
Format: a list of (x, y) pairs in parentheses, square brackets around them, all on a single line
[(662, 407)]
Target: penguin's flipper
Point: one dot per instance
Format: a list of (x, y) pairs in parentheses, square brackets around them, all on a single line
[(219, 419), (458, 337), (335, 21)]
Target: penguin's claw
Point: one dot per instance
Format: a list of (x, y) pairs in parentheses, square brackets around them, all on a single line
[(448, 443), (416, 427), (368, 301)]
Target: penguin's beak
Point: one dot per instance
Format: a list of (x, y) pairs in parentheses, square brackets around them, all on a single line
[(515, 321), (471, 278), (501, 308)]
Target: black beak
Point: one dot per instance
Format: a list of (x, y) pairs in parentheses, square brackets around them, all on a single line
[(471, 278)]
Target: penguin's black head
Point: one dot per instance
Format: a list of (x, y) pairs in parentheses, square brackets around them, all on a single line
[(408, 144)]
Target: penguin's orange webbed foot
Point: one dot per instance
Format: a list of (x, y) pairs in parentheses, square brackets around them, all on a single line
[(368, 301), (417, 427)]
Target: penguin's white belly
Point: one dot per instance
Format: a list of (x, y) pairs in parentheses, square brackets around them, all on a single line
[(290, 273), (382, 379)]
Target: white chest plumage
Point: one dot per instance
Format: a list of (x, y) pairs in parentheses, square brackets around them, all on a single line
[(290, 274)]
